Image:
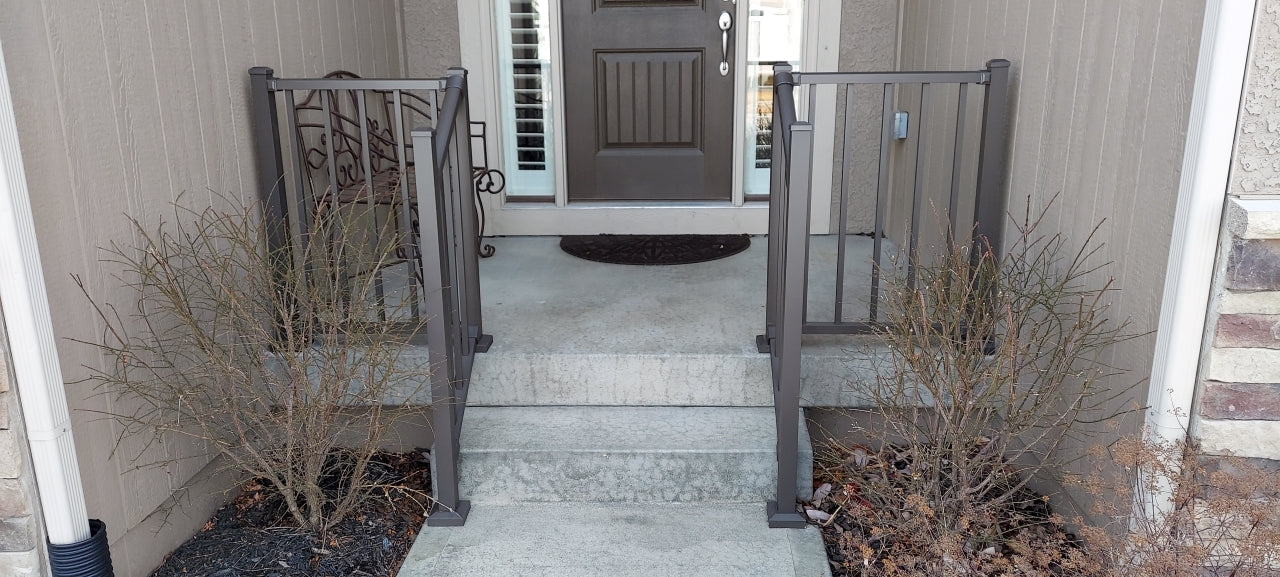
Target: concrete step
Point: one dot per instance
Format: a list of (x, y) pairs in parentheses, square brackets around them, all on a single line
[(619, 540), (831, 367), (572, 332), (622, 455)]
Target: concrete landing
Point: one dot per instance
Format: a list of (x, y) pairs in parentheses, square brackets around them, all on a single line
[(574, 332), (616, 540)]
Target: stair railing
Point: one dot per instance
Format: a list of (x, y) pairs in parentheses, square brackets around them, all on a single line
[(403, 148), (790, 199)]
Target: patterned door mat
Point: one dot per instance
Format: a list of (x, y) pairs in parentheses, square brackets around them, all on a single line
[(649, 249)]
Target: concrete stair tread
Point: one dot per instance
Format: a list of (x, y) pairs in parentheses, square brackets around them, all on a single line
[(576, 539), (621, 454), (618, 429)]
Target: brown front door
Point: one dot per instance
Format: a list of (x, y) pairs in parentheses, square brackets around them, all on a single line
[(648, 112)]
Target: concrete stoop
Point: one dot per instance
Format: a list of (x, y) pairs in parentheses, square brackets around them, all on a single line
[(622, 425)]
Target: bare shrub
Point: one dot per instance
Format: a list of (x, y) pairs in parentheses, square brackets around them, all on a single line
[(994, 361), (263, 355), (1178, 513)]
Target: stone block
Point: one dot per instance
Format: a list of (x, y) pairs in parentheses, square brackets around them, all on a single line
[(20, 563), (1251, 439), (14, 501), (1253, 265), (1248, 401), (1244, 365), (1262, 303), (10, 456), (1248, 330), (1254, 217), (17, 534)]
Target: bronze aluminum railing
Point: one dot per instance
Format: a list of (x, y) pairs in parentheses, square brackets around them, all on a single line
[(422, 179), (790, 198)]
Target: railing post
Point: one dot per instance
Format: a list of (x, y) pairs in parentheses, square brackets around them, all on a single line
[(783, 89), (448, 510), (990, 205), (266, 142), (466, 205), (786, 346)]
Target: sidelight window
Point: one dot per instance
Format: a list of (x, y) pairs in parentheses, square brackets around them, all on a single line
[(774, 34), (525, 97)]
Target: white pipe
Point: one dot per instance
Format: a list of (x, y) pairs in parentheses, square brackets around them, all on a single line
[(1206, 165), (31, 342)]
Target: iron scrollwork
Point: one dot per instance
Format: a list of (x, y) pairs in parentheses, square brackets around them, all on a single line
[(487, 181)]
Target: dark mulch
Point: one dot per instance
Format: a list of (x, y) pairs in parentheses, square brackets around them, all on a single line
[(872, 527), (654, 249), (254, 535)]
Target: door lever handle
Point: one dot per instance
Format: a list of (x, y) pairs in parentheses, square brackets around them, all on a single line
[(726, 22)]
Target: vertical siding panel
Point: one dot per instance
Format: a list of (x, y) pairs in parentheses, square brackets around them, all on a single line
[(238, 56), (362, 28), (42, 123), (1092, 105), (292, 57), (98, 203), (349, 38), (309, 29), (265, 34), (1064, 63), (329, 29), (1027, 139)]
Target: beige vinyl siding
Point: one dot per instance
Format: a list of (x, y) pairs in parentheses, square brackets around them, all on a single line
[(124, 106), (1100, 98)]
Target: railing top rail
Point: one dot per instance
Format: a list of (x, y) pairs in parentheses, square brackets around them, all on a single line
[(909, 77), (455, 91), (357, 84)]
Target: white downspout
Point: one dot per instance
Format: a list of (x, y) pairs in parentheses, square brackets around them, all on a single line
[(1206, 165), (31, 342)]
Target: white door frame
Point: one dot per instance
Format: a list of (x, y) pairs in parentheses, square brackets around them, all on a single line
[(478, 39)]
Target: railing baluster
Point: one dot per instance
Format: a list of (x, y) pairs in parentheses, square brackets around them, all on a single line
[(367, 167), (846, 167), (448, 510), (297, 217), (918, 196), (882, 198), (957, 158), (405, 208)]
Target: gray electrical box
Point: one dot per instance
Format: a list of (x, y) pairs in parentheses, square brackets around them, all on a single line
[(900, 125)]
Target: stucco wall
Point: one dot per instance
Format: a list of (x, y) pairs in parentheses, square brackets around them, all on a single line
[(868, 43), (1237, 409), (1256, 164), (430, 37), (1100, 102), (122, 106)]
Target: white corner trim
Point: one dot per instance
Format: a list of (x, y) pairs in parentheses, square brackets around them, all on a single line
[(1206, 163), (31, 342)]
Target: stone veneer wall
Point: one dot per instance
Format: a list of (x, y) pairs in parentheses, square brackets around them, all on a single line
[(1238, 401), (20, 534)]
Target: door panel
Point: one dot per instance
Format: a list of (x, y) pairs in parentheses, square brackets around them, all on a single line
[(648, 114)]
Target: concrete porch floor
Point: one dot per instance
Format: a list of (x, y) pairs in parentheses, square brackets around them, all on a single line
[(625, 381)]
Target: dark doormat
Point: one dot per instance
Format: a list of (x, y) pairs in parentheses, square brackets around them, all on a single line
[(652, 249)]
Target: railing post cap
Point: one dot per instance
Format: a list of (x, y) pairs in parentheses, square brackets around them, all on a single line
[(456, 70), (998, 63), (782, 67), (261, 71)]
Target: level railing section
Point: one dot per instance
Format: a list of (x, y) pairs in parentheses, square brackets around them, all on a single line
[(399, 151), (790, 203)]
